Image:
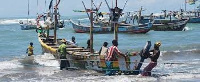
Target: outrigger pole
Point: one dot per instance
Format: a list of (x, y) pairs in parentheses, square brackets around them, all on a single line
[(91, 24), (185, 4), (55, 23), (86, 10), (91, 28), (28, 12), (115, 25)]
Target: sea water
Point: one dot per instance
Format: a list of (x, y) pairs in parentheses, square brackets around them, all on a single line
[(179, 60)]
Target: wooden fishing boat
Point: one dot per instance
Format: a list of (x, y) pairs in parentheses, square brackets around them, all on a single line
[(170, 26), (122, 27), (81, 58), (28, 26), (194, 16), (167, 24)]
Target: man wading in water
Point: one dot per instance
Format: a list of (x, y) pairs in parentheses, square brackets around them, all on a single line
[(64, 63), (154, 57), (30, 49)]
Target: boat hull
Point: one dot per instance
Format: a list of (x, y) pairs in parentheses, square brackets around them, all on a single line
[(168, 25), (82, 59), (194, 20), (27, 26), (122, 28)]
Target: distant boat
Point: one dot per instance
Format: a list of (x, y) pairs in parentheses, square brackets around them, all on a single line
[(29, 24), (194, 16), (166, 23), (123, 28)]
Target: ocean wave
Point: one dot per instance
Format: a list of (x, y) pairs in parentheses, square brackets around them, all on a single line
[(47, 60), (83, 19), (181, 76), (181, 51), (187, 28), (10, 64), (13, 21)]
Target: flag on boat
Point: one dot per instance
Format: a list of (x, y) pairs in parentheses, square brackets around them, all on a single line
[(191, 2)]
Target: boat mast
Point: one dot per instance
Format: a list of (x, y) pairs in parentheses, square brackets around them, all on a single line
[(185, 4), (91, 27), (116, 3), (45, 2), (28, 11), (115, 25), (55, 23), (37, 7)]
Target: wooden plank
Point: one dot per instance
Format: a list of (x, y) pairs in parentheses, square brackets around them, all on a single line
[(74, 49)]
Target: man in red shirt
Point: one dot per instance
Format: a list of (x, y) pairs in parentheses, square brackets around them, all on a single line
[(111, 57)]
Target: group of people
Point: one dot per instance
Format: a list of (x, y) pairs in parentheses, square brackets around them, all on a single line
[(64, 63), (111, 55), (112, 52)]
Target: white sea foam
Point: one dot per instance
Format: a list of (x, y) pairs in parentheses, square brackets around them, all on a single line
[(46, 60), (83, 19), (187, 28), (177, 51), (9, 64), (191, 50), (14, 21), (182, 76)]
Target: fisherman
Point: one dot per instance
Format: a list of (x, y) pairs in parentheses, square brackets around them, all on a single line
[(30, 49), (154, 57), (73, 41), (40, 30), (100, 14), (88, 44), (104, 49), (64, 63), (111, 57), (144, 54)]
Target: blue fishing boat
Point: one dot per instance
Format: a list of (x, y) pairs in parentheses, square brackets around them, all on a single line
[(28, 26), (122, 27), (194, 16), (166, 22)]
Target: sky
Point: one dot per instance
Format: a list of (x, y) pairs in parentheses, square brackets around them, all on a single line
[(19, 8)]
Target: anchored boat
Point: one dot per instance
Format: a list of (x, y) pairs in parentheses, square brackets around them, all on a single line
[(164, 23), (122, 27)]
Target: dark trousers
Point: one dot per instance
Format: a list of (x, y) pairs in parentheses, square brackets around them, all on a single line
[(147, 69), (139, 66), (64, 63), (109, 68)]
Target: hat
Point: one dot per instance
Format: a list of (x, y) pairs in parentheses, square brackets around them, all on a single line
[(63, 40), (158, 44)]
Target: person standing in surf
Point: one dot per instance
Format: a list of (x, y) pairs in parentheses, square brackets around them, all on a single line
[(111, 57), (104, 49), (64, 63), (29, 50), (154, 57), (144, 54)]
